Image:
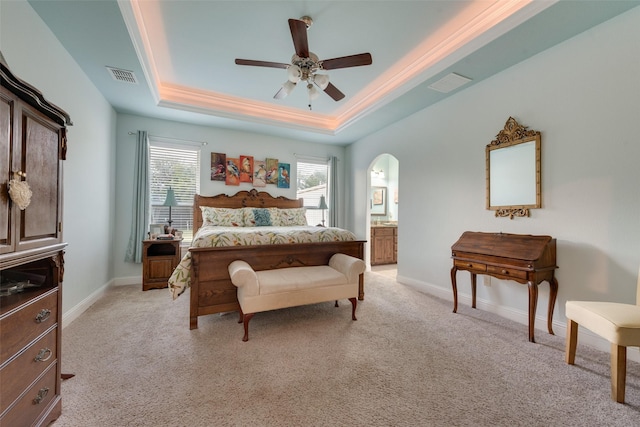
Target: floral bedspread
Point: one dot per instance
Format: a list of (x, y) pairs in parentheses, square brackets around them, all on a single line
[(210, 236)]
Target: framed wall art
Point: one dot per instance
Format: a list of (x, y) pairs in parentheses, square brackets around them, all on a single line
[(218, 166)]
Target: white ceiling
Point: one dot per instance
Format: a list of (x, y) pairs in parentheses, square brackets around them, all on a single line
[(182, 53)]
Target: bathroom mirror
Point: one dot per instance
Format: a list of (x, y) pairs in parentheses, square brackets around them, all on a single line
[(513, 171), (379, 201)]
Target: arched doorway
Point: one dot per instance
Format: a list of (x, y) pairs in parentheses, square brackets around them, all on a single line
[(383, 209)]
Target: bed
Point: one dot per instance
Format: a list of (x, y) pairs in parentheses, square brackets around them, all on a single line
[(205, 267)]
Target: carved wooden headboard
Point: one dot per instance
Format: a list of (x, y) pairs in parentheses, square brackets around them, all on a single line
[(242, 199)]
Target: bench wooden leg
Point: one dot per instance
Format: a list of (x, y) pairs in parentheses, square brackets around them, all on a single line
[(354, 303), (336, 304), (240, 320), (246, 319)]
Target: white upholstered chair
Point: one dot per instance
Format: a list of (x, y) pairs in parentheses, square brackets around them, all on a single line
[(618, 323)]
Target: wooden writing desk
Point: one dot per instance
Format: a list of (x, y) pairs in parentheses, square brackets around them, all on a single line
[(523, 258)]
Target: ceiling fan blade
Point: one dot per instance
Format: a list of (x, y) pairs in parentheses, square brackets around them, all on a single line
[(347, 61), (281, 94), (261, 63), (299, 36), (333, 92)]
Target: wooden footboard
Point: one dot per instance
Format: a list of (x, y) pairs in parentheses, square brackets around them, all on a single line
[(211, 287)]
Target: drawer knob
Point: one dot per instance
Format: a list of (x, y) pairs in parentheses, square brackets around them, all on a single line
[(43, 355), (43, 315), (469, 265), (41, 395), (505, 272)]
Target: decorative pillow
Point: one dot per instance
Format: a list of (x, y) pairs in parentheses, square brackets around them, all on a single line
[(222, 217), (259, 217), (289, 217)]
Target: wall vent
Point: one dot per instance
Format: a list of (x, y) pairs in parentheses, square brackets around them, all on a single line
[(121, 75), (449, 82)]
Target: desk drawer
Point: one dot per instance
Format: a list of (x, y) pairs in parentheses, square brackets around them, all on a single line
[(506, 272), (470, 265)]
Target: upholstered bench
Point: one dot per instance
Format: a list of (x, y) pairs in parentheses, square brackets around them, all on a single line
[(293, 286)]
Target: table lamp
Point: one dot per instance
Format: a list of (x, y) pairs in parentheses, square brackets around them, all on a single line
[(170, 201), (322, 205)]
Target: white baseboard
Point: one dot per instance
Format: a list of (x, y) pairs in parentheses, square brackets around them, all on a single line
[(585, 336), (70, 315)]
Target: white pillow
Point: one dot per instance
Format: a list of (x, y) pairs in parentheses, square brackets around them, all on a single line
[(289, 217), (222, 217)]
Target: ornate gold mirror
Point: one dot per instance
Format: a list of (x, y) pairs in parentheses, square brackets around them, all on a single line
[(513, 171)]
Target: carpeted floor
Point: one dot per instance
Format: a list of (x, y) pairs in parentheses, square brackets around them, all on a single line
[(407, 361)]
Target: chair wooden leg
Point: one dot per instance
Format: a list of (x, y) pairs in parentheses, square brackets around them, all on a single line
[(572, 342), (618, 372)]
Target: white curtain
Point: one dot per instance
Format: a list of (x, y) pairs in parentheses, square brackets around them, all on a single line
[(141, 202), (333, 191)]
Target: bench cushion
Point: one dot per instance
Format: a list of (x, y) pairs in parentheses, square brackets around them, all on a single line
[(295, 278)]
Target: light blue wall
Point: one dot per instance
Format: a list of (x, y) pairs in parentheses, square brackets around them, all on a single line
[(583, 96), (35, 55), (233, 143)]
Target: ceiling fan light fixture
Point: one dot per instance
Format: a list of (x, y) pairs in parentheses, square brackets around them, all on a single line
[(313, 92), (322, 80), (305, 64), (294, 73), (288, 86)]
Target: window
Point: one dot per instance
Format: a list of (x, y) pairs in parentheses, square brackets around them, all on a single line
[(311, 184), (177, 166)]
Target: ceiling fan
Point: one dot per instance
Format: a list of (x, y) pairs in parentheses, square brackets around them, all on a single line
[(305, 65)]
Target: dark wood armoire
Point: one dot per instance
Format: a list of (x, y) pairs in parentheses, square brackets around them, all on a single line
[(32, 147)]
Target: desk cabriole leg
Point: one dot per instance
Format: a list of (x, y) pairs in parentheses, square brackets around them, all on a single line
[(533, 303), (455, 288), (474, 277), (553, 294)]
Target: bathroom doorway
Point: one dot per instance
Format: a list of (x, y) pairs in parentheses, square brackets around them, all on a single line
[(384, 214)]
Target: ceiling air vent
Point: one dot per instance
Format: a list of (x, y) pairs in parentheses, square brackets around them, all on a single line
[(449, 82), (121, 75)]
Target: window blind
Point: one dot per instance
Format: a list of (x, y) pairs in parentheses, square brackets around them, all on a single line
[(177, 167)]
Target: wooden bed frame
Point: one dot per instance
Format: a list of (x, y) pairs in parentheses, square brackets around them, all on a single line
[(211, 287)]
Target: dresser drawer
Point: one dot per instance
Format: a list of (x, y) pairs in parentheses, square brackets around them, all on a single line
[(25, 368), (24, 325), (470, 265), (33, 402), (502, 271)]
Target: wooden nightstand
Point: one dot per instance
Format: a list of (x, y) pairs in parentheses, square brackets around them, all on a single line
[(159, 259)]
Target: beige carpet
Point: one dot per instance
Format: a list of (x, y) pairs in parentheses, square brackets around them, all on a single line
[(407, 361)]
